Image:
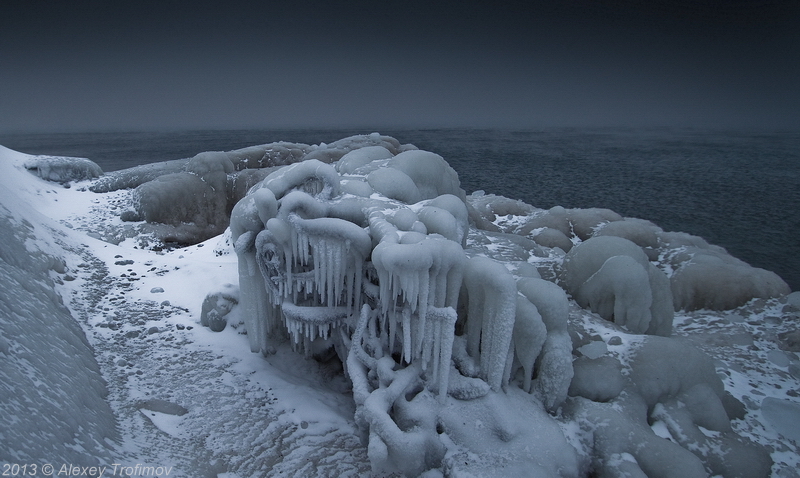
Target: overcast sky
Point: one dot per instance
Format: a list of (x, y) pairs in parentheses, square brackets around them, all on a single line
[(124, 65)]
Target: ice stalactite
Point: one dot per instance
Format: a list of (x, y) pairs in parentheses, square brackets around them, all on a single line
[(247, 220), (492, 295)]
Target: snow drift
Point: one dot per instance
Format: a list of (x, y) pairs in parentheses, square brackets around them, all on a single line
[(52, 396)]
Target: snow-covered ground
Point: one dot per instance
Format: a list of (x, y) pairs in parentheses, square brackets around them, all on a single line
[(189, 402)]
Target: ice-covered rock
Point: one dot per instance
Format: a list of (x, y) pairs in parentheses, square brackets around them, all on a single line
[(190, 200), (613, 277), (664, 380), (377, 258), (718, 281), (61, 169), (377, 276), (217, 306)]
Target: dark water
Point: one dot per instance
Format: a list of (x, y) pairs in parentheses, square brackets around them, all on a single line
[(740, 190)]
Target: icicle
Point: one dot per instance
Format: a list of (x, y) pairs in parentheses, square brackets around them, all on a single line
[(407, 335), (437, 348), (445, 340), (423, 310)]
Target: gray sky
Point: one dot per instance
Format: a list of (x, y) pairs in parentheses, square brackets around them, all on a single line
[(145, 65)]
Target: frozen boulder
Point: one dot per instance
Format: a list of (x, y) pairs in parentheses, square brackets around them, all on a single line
[(599, 379), (585, 222), (490, 206), (554, 362), (430, 173), (613, 277), (669, 382), (183, 199), (136, 176), (549, 237), (355, 159), (62, 169), (639, 231), (556, 218), (715, 280), (217, 306)]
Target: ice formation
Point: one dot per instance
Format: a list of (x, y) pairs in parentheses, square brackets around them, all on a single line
[(613, 277), (351, 257), (617, 412), (474, 330), (190, 200), (62, 169), (382, 258)]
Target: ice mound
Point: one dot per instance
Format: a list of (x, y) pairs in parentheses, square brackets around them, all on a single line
[(613, 277), (707, 277), (701, 276), (62, 169), (667, 382)]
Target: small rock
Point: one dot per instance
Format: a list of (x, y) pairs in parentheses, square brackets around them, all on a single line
[(593, 350), (615, 340), (165, 303), (152, 330), (157, 290), (778, 358), (124, 263), (216, 307), (180, 326), (734, 318), (131, 334), (162, 406), (794, 370)]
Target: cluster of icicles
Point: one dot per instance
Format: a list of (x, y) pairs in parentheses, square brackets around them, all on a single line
[(314, 244)]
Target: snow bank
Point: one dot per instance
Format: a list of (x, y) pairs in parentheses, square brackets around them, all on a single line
[(52, 396)]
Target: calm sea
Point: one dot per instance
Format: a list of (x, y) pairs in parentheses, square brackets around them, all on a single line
[(740, 190)]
